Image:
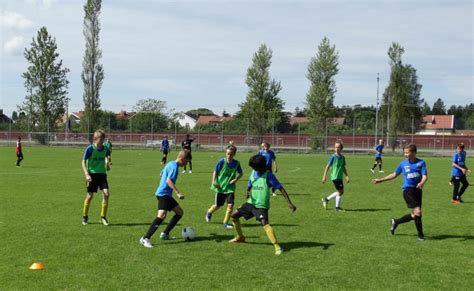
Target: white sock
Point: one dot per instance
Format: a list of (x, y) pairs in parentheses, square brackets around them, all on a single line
[(338, 201), (332, 196)]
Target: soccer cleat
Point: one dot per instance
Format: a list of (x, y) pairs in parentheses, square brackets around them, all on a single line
[(274, 194), (146, 242), (325, 203), (227, 225), (190, 172), (455, 201), (184, 171), (460, 200), (278, 251), (381, 171), (393, 226), (237, 239), (208, 217), (164, 236), (104, 221), (84, 220), (339, 209), (421, 237), (372, 170)]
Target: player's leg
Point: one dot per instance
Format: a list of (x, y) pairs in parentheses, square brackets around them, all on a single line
[(375, 165), (244, 211), (218, 202), (190, 166), (380, 165), (160, 216), (326, 199), (419, 225), (178, 214), (85, 207), (456, 184), (465, 184), (269, 231), (230, 208), (105, 206)]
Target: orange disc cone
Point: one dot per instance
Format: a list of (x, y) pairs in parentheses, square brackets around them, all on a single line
[(37, 266)]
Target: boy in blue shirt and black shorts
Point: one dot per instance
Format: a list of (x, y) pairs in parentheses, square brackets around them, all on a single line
[(458, 172), (414, 178)]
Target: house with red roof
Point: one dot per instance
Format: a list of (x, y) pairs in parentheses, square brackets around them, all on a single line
[(437, 124)]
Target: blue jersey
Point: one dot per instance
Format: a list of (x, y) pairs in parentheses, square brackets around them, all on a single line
[(379, 150), (165, 145), (460, 160), (412, 172), (269, 157), (170, 171), (272, 181), (231, 165), (89, 149)]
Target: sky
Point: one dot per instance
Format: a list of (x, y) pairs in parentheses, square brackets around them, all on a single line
[(195, 54)]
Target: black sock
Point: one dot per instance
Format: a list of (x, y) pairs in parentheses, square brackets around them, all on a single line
[(404, 219), (419, 225), (153, 227), (375, 165), (380, 167), (172, 223), (463, 188)]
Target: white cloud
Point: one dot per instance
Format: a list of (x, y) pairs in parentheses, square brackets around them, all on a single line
[(13, 20), (14, 46), (42, 3)]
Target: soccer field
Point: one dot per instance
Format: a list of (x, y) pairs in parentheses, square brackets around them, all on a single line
[(41, 222)]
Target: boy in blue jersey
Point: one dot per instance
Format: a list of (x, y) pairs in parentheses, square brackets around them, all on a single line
[(226, 174), (258, 201), (166, 202), (95, 164), (270, 159), (415, 176), (165, 145), (337, 165), (378, 156), (458, 172)]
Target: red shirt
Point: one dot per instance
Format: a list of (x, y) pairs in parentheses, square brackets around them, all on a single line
[(18, 147)]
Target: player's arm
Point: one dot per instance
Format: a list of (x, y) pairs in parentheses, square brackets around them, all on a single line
[(287, 198), (386, 178), (175, 189), (463, 170), (214, 177), (239, 175), (275, 166), (86, 173), (325, 173), (347, 175), (420, 185)]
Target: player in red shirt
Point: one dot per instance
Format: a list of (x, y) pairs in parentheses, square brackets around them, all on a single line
[(19, 154)]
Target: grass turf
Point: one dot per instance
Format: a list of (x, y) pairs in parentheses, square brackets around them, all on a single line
[(41, 221)]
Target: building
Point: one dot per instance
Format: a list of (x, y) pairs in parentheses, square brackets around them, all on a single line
[(212, 119), (437, 124), (4, 118), (185, 120)]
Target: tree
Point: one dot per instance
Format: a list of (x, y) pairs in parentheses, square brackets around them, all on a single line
[(14, 116), (195, 113), (92, 71), (151, 116), (45, 82), (262, 107), (150, 105), (320, 98), (426, 109), (438, 107)]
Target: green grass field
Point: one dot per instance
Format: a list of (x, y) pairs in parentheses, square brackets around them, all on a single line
[(41, 221)]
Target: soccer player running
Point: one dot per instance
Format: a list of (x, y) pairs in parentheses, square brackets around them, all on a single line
[(165, 146), (270, 159), (19, 153), (226, 174), (337, 165), (414, 178), (95, 165), (458, 172), (187, 145), (108, 144), (166, 202), (258, 201), (378, 156)]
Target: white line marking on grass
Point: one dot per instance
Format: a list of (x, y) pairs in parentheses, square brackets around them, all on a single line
[(295, 170)]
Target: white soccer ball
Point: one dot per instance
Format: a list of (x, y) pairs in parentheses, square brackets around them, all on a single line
[(188, 233)]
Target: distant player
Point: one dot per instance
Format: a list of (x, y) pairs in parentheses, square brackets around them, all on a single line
[(226, 174), (337, 164), (458, 172), (108, 144), (19, 153), (166, 202), (187, 145), (270, 159), (165, 146), (95, 165), (378, 156), (258, 202), (414, 178)]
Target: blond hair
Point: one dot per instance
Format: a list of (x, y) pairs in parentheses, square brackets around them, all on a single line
[(99, 134), (184, 154)]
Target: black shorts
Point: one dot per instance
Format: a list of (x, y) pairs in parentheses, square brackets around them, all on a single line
[(248, 211), (98, 181), (165, 152), (459, 179), (412, 197), (338, 184), (221, 198), (19, 155), (166, 203), (378, 159)]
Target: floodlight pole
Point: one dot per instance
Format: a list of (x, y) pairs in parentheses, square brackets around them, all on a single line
[(377, 110)]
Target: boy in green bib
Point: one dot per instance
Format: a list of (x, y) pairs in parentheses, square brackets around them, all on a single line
[(95, 165), (226, 174), (258, 201), (337, 164)]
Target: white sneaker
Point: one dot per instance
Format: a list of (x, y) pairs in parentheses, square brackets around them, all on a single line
[(372, 170), (274, 194), (146, 242), (184, 171), (381, 171), (190, 172)]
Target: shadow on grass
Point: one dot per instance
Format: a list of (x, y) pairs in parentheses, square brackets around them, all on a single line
[(212, 237), (368, 209), (297, 194), (260, 225), (131, 224), (288, 246), (448, 236)]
